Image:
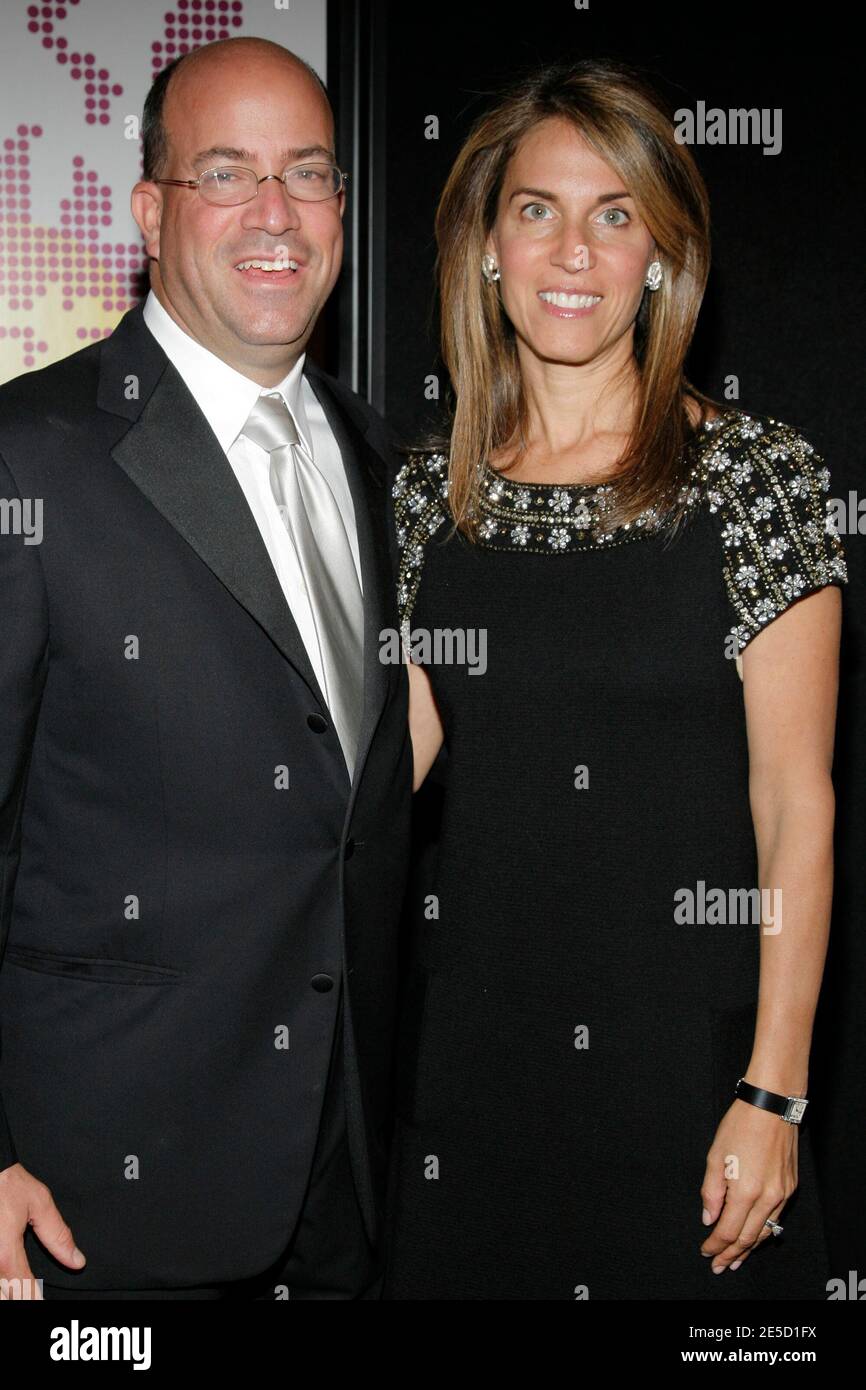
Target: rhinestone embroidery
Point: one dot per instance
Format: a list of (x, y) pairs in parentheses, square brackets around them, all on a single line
[(778, 536)]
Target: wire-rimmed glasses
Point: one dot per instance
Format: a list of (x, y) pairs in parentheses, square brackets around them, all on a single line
[(231, 184)]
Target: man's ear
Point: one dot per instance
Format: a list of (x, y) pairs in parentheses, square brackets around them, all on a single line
[(146, 204)]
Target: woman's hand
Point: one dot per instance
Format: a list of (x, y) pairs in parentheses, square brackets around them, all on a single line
[(751, 1172)]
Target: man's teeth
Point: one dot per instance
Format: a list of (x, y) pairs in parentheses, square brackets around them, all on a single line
[(267, 265), (569, 301)]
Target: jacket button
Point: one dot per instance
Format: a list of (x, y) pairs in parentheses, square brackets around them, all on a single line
[(322, 983), (349, 848), (317, 723)]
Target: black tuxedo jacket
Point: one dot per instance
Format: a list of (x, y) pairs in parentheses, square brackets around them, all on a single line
[(188, 877)]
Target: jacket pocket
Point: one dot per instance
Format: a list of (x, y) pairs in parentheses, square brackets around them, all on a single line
[(95, 968)]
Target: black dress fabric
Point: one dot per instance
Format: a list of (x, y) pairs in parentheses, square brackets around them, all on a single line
[(570, 1042)]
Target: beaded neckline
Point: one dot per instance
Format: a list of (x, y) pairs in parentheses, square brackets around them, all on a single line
[(566, 516)]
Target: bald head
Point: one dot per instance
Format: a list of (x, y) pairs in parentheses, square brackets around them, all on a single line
[(176, 84)]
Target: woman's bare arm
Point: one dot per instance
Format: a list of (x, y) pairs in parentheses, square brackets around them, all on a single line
[(790, 687), (425, 725)]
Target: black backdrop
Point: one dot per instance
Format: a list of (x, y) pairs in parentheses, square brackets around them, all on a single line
[(783, 313)]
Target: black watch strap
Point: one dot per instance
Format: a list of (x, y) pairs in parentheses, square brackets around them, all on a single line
[(790, 1108)]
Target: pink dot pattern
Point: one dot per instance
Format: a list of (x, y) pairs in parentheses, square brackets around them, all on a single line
[(27, 342), (193, 23), (70, 255), (42, 22), (70, 260)]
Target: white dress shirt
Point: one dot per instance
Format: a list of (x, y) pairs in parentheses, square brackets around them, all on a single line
[(226, 398)]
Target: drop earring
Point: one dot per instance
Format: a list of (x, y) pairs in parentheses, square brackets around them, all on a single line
[(654, 276), (489, 269)]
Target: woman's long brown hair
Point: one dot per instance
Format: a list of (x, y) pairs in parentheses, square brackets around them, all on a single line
[(626, 122)]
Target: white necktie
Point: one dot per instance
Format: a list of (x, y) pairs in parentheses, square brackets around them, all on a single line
[(314, 523)]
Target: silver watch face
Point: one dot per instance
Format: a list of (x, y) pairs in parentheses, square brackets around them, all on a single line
[(795, 1110)]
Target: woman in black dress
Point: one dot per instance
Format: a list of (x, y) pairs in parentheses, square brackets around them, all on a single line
[(624, 625)]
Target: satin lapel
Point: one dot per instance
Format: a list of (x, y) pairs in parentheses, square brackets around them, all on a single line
[(366, 473), (172, 455)]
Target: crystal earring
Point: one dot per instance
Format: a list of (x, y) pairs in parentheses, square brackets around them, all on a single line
[(654, 276), (489, 269)]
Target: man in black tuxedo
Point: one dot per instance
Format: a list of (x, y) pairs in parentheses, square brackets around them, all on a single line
[(205, 769)]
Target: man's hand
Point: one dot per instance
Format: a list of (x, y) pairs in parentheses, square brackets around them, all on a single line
[(25, 1201)]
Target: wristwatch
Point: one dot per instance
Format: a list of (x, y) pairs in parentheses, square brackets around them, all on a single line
[(791, 1108)]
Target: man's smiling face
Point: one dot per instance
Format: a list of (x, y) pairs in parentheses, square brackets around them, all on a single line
[(252, 106)]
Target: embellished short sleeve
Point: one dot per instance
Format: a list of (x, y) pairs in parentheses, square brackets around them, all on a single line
[(419, 491), (779, 536)]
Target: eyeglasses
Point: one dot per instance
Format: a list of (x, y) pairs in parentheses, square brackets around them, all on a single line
[(312, 183)]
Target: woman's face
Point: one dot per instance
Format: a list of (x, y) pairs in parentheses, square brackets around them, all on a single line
[(571, 248)]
